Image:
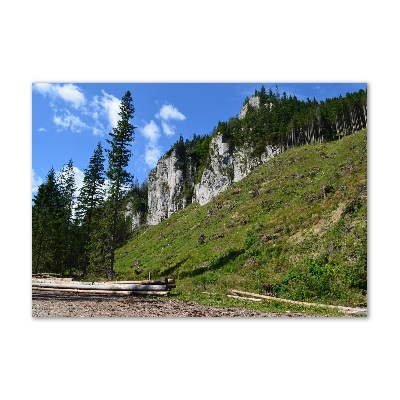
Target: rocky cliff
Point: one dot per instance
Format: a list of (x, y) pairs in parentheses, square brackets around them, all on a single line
[(226, 167), (168, 189), (166, 185), (173, 184)]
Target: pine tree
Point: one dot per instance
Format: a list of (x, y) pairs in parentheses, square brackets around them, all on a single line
[(90, 201), (180, 153), (277, 94), (119, 177), (66, 184), (263, 95), (47, 212)]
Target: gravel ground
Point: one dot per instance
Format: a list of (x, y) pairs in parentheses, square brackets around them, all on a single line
[(70, 304)]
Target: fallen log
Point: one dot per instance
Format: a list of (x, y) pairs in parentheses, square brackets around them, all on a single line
[(242, 298), (52, 280), (156, 282), (93, 291), (97, 286), (147, 282), (103, 291), (349, 310), (166, 281), (171, 286), (151, 292), (76, 283)]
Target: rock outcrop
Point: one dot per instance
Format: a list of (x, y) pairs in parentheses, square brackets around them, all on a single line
[(226, 168), (165, 190), (168, 188), (218, 176), (172, 185), (254, 102)]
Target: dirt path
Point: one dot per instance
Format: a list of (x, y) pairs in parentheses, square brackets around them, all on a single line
[(67, 304)]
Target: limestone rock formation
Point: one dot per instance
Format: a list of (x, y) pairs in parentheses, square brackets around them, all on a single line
[(172, 186), (226, 168), (165, 185)]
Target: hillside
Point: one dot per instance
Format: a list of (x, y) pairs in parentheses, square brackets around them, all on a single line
[(295, 227)]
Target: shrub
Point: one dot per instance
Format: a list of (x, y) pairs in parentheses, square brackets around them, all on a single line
[(312, 279)]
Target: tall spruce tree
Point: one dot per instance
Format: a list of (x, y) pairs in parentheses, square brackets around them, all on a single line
[(66, 183), (90, 201), (119, 178), (47, 212)]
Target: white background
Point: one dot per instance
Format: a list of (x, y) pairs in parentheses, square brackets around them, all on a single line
[(182, 41)]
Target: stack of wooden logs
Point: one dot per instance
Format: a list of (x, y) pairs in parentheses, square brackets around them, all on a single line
[(145, 287)]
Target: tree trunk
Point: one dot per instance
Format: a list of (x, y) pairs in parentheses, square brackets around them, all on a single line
[(36, 266)]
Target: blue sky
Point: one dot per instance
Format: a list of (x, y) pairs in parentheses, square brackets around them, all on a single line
[(69, 119)]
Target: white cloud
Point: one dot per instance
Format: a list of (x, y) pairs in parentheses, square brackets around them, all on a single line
[(68, 92), (99, 115), (43, 88), (152, 154), (151, 132), (111, 105), (168, 129), (168, 111), (71, 94), (36, 181), (42, 130), (68, 120), (97, 131), (79, 176), (96, 104), (94, 111)]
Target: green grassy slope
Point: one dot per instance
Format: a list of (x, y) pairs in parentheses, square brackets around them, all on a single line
[(296, 227)]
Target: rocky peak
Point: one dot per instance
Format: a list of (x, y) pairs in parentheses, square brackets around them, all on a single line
[(254, 102)]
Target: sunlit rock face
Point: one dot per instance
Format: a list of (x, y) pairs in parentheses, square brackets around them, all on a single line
[(168, 185), (165, 183), (226, 168)]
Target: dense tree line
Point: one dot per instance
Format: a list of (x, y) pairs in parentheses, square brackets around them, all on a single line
[(78, 233), (287, 122)]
